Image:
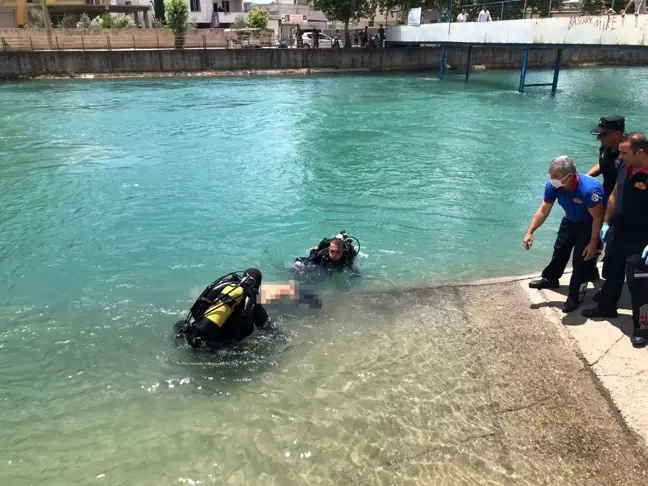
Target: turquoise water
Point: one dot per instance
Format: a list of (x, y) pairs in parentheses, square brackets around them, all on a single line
[(122, 199)]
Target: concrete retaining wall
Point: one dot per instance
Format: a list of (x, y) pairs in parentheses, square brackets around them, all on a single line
[(17, 64)]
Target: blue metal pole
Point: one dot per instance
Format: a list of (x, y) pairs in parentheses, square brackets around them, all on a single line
[(525, 60), (468, 63), (554, 85), (442, 66)]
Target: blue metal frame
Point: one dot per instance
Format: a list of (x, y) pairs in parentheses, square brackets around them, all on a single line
[(442, 63), (523, 71)]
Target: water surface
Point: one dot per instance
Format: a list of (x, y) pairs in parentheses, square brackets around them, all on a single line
[(122, 199)]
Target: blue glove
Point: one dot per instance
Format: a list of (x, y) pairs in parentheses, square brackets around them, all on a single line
[(604, 231), (645, 254)]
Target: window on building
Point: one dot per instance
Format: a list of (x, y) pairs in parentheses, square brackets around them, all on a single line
[(194, 5), (226, 6)]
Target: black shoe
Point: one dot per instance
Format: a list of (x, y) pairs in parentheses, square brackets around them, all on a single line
[(599, 311), (597, 296), (570, 305), (543, 283), (638, 341), (595, 276)]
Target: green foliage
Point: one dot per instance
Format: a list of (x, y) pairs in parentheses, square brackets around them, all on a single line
[(239, 23), (258, 19), (69, 21), (157, 23), (84, 22), (592, 7), (35, 17), (385, 6), (346, 11), (122, 21), (177, 16)]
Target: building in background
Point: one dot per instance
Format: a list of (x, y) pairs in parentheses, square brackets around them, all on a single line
[(140, 10), (216, 13)]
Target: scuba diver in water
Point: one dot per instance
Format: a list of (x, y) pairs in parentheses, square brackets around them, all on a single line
[(228, 310), (331, 253)]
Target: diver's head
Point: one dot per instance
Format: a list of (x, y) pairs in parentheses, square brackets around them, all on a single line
[(336, 249), (255, 276)]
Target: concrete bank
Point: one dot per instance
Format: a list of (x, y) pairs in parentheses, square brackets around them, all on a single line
[(604, 346), (63, 63), (491, 390)]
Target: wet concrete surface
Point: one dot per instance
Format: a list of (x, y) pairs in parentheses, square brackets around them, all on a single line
[(604, 345), (525, 409)]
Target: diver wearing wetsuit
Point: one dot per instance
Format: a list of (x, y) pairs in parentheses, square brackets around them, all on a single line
[(226, 311), (331, 253)]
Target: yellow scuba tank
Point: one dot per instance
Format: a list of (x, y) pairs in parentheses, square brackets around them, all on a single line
[(223, 306)]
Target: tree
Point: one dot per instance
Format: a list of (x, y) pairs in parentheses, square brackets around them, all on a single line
[(345, 11), (258, 19), (592, 7), (177, 19), (239, 23)]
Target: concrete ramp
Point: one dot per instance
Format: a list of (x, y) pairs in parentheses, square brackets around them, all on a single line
[(595, 31)]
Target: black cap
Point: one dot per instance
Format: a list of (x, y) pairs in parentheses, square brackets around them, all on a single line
[(609, 124)]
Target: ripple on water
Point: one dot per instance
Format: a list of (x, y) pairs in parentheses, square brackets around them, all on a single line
[(122, 199)]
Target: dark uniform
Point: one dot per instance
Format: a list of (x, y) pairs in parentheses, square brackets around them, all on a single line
[(574, 233), (609, 163), (627, 238)]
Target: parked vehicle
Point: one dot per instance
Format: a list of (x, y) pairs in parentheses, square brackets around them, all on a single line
[(324, 41)]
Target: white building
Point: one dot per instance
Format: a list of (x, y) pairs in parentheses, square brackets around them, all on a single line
[(215, 13)]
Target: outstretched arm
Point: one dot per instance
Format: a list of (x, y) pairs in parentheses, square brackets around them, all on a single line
[(538, 219)]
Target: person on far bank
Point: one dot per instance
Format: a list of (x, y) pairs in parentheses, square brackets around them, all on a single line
[(463, 16), (381, 36), (582, 198), (484, 15), (625, 231), (639, 7)]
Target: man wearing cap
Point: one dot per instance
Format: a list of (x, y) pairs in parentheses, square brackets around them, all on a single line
[(582, 198), (609, 132), (625, 231)]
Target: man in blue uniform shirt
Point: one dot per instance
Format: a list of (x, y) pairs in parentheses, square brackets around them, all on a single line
[(583, 200), (626, 233)]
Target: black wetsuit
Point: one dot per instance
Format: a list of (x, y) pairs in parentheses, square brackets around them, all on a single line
[(322, 259)]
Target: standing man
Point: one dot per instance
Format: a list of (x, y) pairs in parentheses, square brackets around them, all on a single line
[(609, 133), (626, 232), (484, 15), (463, 16), (581, 196)]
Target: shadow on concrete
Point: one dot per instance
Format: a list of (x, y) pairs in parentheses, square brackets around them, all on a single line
[(623, 322)]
